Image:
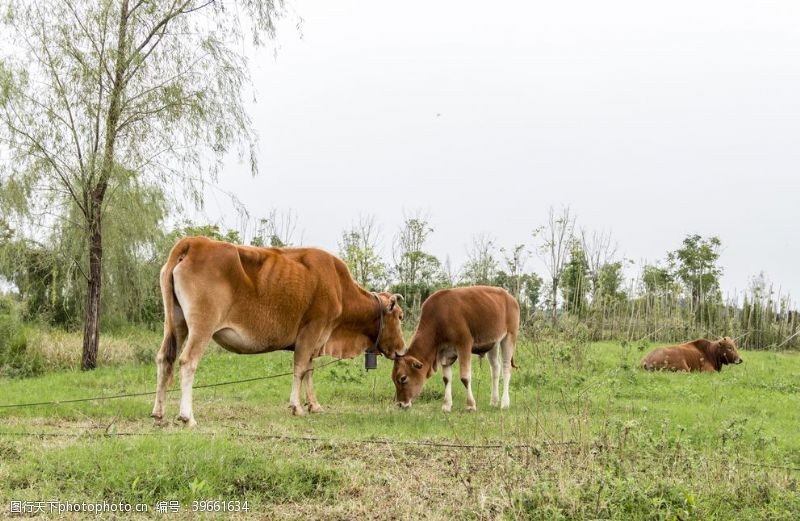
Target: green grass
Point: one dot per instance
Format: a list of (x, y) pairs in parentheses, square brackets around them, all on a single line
[(603, 440)]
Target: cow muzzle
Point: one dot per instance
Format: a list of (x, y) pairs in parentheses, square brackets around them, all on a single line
[(739, 361), (404, 405)]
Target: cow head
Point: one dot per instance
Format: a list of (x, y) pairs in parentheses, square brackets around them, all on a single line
[(727, 351), (408, 375), (391, 342)]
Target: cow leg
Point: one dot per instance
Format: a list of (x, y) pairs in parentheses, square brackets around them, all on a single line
[(494, 369), (297, 382), (465, 366), (308, 382), (164, 361), (163, 374), (447, 376), (306, 345), (190, 357), (508, 345)]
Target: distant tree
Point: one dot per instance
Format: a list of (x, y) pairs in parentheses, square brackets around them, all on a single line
[(527, 285), (575, 280), (276, 230), (556, 237), (481, 265), (450, 275), (695, 264), (417, 272), (91, 91), (212, 231), (656, 281), (514, 261), (600, 250), (760, 287), (358, 249), (609, 283), (532, 285)]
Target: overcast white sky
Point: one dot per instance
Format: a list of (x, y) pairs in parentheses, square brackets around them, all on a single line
[(651, 120)]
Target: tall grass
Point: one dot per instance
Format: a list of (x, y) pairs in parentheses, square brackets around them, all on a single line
[(16, 357), (756, 323)]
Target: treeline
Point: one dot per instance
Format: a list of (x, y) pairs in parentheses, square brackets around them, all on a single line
[(584, 288)]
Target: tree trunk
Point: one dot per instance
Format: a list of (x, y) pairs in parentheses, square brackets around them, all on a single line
[(91, 332), (555, 299)]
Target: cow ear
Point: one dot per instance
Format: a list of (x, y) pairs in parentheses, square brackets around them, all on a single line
[(393, 300), (416, 364)]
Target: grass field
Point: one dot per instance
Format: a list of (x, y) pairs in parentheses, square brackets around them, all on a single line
[(588, 436)]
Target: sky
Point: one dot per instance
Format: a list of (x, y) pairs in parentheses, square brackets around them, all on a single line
[(649, 120)]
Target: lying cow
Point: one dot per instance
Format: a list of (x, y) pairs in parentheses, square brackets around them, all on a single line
[(699, 355), (454, 324), (256, 300)]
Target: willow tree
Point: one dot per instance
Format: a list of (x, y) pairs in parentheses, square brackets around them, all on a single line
[(89, 88)]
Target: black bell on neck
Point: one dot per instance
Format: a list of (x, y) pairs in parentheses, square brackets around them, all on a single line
[(370, 359)]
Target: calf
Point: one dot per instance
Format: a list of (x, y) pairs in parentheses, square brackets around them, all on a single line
[(454, 324), (698, 355)]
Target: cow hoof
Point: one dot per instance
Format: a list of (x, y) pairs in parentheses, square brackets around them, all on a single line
[(446, 408), (504, 405), (157, 417), (188, 422), (315, 408), (495, 403), (472, 408), (297, 410)]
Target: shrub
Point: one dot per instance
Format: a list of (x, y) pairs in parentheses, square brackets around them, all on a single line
[(16, 360)]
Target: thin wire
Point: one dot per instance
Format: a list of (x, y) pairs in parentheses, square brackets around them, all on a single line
[(293, 438), (150, 393), (433, 444)]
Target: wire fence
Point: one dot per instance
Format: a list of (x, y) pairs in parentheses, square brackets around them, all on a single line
[(537, 448), (151, 393), (296, 439)]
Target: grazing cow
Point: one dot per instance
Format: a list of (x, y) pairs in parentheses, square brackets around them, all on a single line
[(698, 355), (256, 300), (454, 324)]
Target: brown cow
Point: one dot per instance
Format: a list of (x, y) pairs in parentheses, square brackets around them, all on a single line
[(256, 300), (698, 355), (455, 323)]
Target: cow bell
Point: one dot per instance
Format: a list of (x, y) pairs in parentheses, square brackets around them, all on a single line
[(370, 360)]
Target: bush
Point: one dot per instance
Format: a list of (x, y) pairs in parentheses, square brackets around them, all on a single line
[(16, 360)]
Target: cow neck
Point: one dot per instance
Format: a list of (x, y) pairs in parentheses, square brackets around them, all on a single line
[(423, 348), (364, 315), (379, 311), (708, 349), (714, 353)]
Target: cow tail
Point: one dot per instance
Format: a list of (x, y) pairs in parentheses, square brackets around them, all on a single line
[(169, 349), (513, 363), (170, 353)]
